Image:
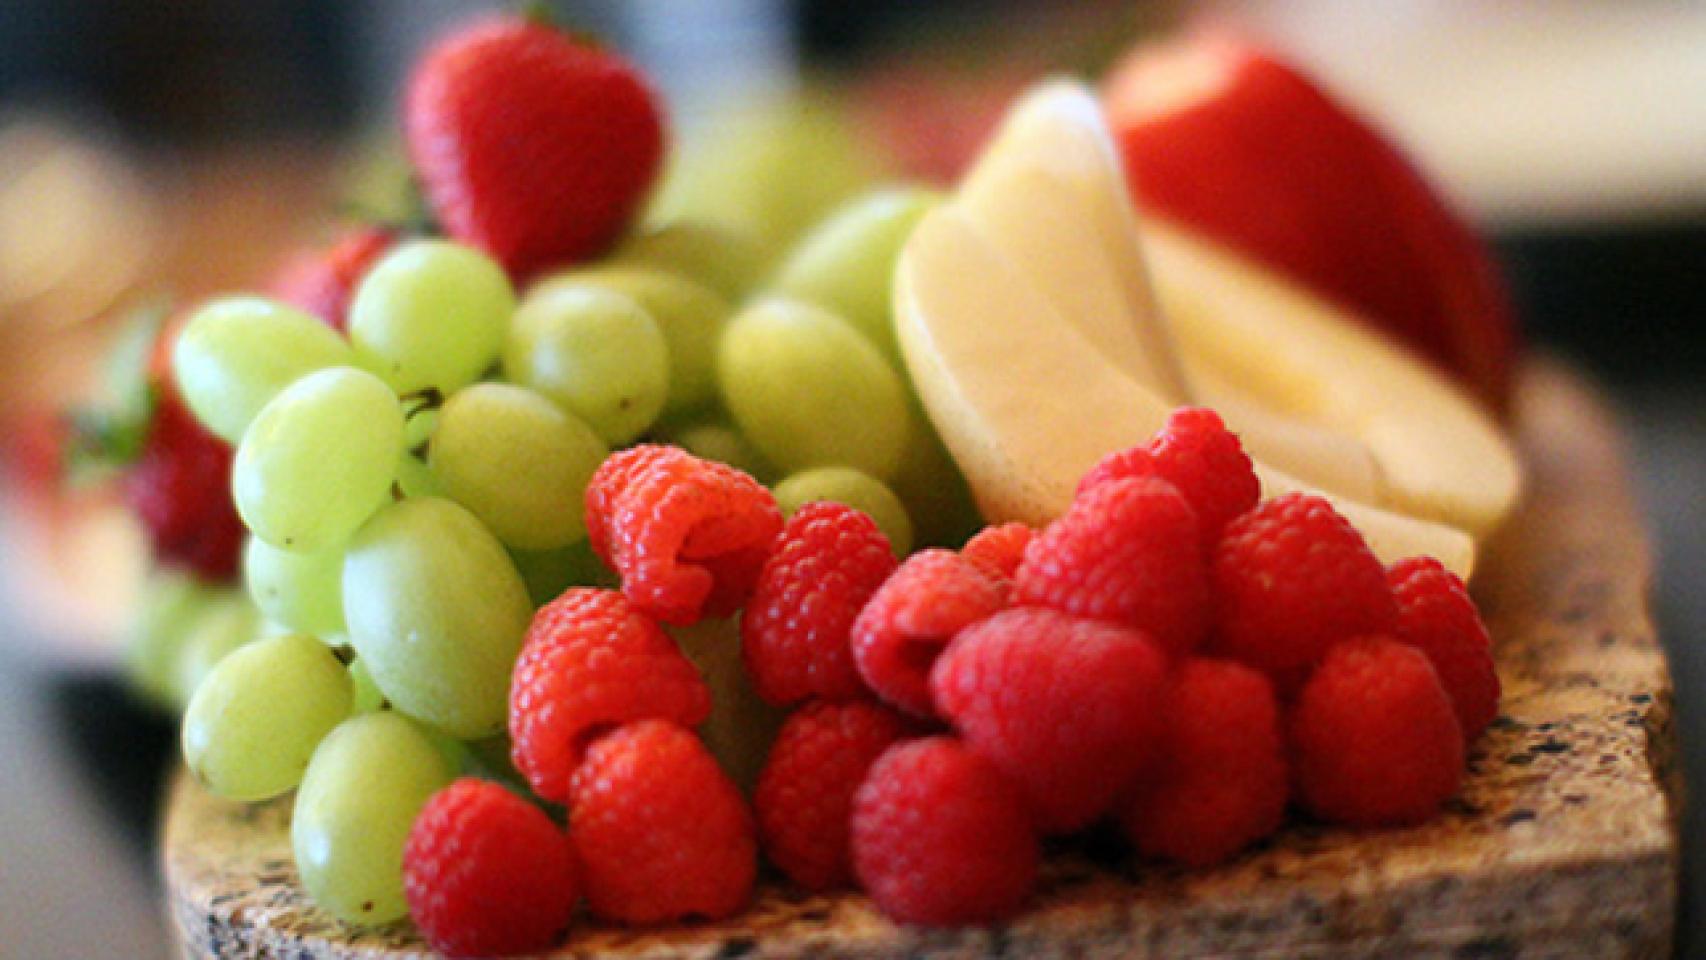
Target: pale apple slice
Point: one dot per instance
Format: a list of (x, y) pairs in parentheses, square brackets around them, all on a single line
[(1027, 404), (1442, 458), (1048, 194)]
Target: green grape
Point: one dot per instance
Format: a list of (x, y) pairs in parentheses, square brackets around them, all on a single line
[(809, 391), (301, 591), (716, 440), (235, 355), (437, 610), (548, 573), (936, 495), (419, 422), (846, 264), (416, 479), (596, 353), (254, 722), (172, 604), (690, 315), (230, 622), (365, 695), (723, 258), (365, 784), (855, 488), (431, 313), (741, 726), (518, 463), (318, 460)]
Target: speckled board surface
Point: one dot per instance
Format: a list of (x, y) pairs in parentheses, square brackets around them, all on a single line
[(1562, 843)]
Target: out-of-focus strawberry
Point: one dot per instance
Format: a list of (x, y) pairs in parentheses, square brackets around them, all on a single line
[(531, 143), (321, 281)]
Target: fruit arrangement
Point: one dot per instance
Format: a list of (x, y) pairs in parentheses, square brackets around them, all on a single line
[(591, 564)]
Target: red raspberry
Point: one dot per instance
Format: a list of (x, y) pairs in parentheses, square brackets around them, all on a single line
[(662, 832), (1220, 783), (794, 634), (487, 873), (1436, 615), (912, 616), (592, 661), (1374, 736), (805, 794), (940, 836), (1196, 453), (997, 550), (1292, 578), (322, 282), (1068, 708), (1126, 550), (688, 536), (180, 488)]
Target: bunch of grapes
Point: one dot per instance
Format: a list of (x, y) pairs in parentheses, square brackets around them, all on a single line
[(414, 486)]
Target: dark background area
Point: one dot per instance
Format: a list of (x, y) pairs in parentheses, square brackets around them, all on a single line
[(1624, 296)]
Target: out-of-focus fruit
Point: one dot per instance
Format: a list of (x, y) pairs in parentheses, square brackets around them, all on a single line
[(530, 143), (323, 281), (1225, 137)]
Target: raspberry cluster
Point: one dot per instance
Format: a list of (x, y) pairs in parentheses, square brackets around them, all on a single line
[(1170, 655)]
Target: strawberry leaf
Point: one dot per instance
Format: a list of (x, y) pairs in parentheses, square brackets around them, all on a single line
[(109, 434)]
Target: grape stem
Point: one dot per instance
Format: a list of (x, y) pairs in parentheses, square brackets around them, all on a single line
[(424, 399)]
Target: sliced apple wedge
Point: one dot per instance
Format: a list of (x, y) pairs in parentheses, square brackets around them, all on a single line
[(1027, 404), (1441, 457), (1048, 194)]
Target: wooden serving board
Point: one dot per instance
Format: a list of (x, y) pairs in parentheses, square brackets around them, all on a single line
[(1562, 843)]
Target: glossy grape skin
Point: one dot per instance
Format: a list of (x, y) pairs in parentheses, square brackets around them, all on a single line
[(846, 263), (236, 354), (318, 460), (431, 313), (438, 611), (302, 591), (257, 717), (854, 488), (598, 354), (518, 463), (364, 786), (691, 316), (809, 391)]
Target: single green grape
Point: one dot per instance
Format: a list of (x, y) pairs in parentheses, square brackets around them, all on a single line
[(254, 722), (714, 439), (846, 263), (230, 622), (365, 695), (548, 573), (438, 611), (365, 784), (431, 313), (596, 353), (318, 460), (741, 726), (721, 257), (172, 603), (302, 591), (416, 479), (234, 355), (855, 488), (809, 391), (691, 316), (518, 463)]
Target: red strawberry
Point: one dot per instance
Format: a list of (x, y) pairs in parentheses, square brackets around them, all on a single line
[(322, 281), (531, 144), (180, 487)]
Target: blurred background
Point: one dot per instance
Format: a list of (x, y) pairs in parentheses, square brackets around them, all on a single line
[(185, 146)]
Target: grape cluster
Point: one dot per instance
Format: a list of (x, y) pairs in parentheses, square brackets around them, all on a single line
[(414, 488)]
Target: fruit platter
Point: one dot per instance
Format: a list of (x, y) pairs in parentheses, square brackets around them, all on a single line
[(1151, 540)]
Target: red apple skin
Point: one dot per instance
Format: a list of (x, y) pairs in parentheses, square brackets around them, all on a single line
[(1252, 153)]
